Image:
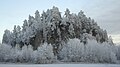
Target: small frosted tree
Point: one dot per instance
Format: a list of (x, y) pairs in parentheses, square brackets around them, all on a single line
[(44, 54), (110, 40), (5, 52)]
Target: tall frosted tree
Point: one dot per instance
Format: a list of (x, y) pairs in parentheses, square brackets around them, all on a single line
[(18, 38), (7, 37), (25, 25), (37, 16)]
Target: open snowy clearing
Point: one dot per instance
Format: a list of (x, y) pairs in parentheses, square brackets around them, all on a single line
[(59, 65)]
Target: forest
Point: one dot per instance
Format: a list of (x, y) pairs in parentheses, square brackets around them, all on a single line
[(51, 37)]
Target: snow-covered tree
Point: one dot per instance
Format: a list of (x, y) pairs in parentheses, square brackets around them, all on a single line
[(25, 25), (5, 52), (37, 16), (18, 40), (27, 53), (118, 52), (44, 54), (110, 40), (7, 37), (67, 12), (72, 51)]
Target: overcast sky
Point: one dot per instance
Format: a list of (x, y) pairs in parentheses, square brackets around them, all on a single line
[(105, 12)]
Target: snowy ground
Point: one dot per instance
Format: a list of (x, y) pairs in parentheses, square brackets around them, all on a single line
[(59, 65)]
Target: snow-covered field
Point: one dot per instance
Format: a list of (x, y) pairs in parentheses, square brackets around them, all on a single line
[(59, 65)]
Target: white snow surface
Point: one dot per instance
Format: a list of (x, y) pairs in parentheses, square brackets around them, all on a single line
[(59, 65)]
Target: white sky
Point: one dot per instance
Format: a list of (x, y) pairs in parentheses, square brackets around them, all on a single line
[(105, 12)]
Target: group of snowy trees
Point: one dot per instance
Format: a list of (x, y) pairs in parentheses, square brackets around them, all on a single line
[(44, 54), (51, 35), (14, 37), (72, 51), (52, 28), (75, 51)]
